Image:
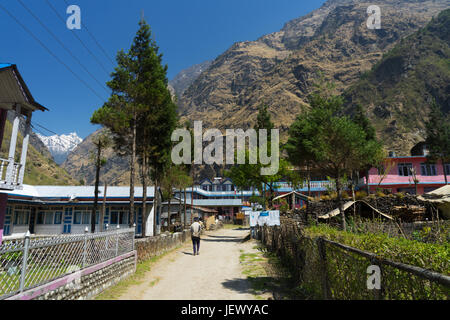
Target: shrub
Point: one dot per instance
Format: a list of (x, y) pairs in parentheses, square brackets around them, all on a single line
[(346, 271), (360, 195)]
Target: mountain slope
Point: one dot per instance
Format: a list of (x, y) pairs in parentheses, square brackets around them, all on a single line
[(81, 167), (186, 77), (398, 91), (279, 69)]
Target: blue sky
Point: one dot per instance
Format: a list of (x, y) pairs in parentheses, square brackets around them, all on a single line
[(187, 32)]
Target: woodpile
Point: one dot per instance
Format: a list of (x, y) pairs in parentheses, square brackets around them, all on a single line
[(409, 213), (406, 208)]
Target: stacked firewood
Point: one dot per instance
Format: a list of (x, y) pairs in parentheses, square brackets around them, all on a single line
[(409, 213)]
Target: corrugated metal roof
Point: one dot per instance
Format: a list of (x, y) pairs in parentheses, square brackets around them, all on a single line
[(217, 202), (78, 191)]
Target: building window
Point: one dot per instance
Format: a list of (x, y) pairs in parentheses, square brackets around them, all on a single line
[(58, 217), (427, 169), (447, 168), (404, 169), (86, 217), (77, 217), (48, 218), (21, 217), (123, 218), (114, 217), (40, 217)]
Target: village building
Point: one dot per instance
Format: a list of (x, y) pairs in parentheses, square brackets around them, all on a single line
[(53, 210), (408, 172), (15, 97)]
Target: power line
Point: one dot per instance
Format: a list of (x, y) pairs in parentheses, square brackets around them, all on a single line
[(95, 40), (50, 52), (34, 124), (62, 44), (79, 39)]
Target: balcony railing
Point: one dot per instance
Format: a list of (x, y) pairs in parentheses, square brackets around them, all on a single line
[(10, 175)]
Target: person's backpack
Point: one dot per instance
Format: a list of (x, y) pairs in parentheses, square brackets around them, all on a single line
[(196, 233)]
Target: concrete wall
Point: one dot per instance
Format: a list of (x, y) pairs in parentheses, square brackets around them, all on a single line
[(86, 283), (153, 246)]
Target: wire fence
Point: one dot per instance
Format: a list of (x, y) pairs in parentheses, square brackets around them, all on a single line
[(27, 263), (324, 269)]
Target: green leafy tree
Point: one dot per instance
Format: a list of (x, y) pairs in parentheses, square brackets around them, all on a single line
[(438, 136), (334, 143)]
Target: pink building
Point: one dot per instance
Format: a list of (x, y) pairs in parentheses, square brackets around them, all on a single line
[(400, 177)]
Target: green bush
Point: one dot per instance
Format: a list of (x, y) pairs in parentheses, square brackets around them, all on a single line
[(431, 256), (346, 271)]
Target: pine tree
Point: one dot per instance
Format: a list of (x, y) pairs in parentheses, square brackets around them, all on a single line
[(140, 112)]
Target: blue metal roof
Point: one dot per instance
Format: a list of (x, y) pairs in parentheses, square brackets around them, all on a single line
[(5, 65)]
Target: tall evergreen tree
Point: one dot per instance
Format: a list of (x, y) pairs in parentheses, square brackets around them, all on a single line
[(140, 112)]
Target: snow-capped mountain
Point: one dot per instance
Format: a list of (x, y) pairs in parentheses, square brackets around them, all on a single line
[(61, 145)]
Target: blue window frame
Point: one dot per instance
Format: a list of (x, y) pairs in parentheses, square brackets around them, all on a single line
[(77, 217), (58, 217)]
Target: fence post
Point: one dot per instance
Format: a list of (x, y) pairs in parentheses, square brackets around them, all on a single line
[(323, 269), (117, 240), (86, 230), (24, 261)]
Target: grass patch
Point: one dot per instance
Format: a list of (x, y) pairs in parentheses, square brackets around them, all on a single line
[(114, 292)]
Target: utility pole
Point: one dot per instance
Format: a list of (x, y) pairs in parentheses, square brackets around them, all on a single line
[(102, 216)]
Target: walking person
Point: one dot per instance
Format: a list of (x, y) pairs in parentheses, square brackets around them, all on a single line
[(196, 229)]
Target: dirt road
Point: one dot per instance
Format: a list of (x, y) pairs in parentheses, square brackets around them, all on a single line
[(215, 274)]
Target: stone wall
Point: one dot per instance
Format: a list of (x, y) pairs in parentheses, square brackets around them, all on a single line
[(154, 246), (86, 283)]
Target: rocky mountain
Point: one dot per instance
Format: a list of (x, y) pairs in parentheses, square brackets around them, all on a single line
[(40, 168), (279, 69), (186, 77), (60, 145), (398, 91), (392, 71), (79, 164)]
